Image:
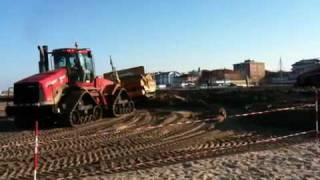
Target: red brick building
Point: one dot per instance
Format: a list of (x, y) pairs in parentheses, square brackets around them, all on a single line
[(255, 71), (221, 77)]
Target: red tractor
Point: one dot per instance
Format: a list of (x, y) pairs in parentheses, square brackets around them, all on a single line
[(67, 91)]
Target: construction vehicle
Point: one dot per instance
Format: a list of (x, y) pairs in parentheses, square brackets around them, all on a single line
[(67, 91), (136, 81)]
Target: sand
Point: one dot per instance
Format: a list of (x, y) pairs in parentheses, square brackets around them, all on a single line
[(300, 161)]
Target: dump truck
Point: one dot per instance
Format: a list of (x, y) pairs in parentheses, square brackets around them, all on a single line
[(136, 81)]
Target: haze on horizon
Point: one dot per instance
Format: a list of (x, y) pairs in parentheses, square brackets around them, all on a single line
[(161, 35)]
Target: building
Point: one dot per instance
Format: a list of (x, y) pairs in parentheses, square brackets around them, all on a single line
[(186, 80), (6, 93), (255, 71), (222, 77), (304, 66), (166, 79), (278, 78)]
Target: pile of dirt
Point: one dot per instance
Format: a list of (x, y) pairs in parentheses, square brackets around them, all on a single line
[(243, 99), (172, 100), (238, 101), (291, 120)]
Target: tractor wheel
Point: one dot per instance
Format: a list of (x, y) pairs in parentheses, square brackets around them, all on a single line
[(131, 107), (121, 104), (97, 113), (74, 118)]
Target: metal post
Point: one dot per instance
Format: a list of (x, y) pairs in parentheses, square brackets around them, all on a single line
[(36, 130), (8, 95), (317, 111)]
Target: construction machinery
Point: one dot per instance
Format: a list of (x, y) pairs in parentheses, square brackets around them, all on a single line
[(67, 91), (136, 81)]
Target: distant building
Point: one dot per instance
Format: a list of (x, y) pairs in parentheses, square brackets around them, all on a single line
[(186, 80), (255, 71), (278, 78), (304, 66), (3, 93), (166, 79), (222, 77), (6, 93)]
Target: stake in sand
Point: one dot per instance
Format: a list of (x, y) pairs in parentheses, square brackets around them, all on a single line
[(36, 132)]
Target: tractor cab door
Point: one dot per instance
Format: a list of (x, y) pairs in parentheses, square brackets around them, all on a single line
[(78, 62)]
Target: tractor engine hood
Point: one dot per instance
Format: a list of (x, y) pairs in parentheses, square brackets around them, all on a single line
[(49, 84)]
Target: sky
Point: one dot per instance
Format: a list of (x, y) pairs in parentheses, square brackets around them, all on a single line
[(161, 35)]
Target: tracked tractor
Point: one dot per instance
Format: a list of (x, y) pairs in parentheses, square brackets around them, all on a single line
[(67, 91)]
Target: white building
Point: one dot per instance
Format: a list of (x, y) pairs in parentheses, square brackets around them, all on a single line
[(166, 79)]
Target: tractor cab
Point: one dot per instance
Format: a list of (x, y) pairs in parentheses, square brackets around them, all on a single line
[(78, 62)]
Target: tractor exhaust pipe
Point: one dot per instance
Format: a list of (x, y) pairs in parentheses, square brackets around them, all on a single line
[(44, 59), (41, 61)]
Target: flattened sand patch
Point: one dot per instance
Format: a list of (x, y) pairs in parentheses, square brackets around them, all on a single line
[(300, 161)]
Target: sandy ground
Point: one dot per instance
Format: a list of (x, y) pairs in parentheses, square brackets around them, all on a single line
[(300, 161), (68, 156)]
